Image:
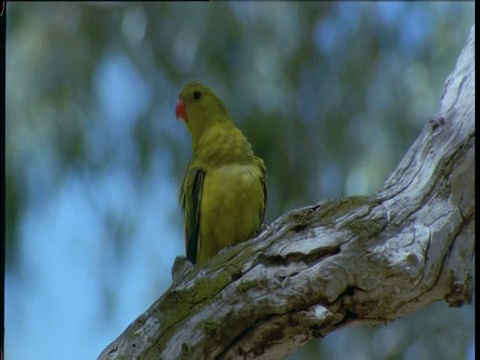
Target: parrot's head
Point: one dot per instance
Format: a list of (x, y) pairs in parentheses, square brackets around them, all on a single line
[(200, 108)]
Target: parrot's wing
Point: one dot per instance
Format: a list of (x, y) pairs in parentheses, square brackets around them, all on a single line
[(191, 197)]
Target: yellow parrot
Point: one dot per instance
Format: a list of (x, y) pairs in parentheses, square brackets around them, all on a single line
[(223, 193)]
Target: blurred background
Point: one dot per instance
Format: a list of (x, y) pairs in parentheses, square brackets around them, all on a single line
[(330, 95)]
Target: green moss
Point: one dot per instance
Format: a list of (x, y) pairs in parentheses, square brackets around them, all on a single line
[(210, 326), (185, 348), (331, 210), (365, 228)]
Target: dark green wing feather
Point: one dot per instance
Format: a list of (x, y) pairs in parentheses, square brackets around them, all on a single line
[(191, 196)]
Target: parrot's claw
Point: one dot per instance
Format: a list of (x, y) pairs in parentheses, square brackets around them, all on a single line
[(265, 226), (180, 268)]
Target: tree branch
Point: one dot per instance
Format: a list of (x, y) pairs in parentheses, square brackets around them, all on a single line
[(355, 261)]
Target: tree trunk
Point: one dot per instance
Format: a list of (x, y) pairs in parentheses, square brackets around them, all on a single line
[(359, 260)]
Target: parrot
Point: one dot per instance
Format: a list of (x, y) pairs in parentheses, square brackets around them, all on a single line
[(223, 193)]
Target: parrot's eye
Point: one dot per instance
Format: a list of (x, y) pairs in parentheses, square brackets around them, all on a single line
[(197, 95)]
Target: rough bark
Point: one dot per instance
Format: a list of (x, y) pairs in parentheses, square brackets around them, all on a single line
[(355, 261)]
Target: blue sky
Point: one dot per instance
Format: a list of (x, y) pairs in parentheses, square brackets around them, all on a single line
[(59, 312)]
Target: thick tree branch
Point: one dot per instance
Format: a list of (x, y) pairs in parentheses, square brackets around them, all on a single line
[(360, 260)]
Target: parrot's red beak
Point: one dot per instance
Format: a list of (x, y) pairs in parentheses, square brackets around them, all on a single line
[(181, 110)]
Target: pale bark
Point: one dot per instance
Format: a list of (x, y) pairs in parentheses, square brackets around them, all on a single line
[(356, 261)]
